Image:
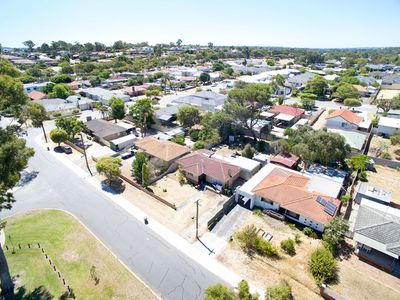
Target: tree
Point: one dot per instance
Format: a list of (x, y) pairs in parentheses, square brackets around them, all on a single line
[(387, 104), (62, 78), (71, 125), (137, 165), (12, 96), (117, 108), (248, 151), (317, 85), (218, 66), (29, 44), (37, 114), (109, 167), (218, 292), (61, 90), (288, 246), (358, 162), (307, 104), (243, 292), (223, 123), (142, 113), (270, 62), (247, 238), (323, 266), (344, 91), (204, 77), (334, 232), (145, 175), (58, 136), (6, 68), (352, 102), (199, 145), (188, 116), (179, 42), (282, 291), (245, 104)]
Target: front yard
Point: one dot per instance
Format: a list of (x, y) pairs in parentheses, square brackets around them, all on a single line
[(357, 280), (74, 252)]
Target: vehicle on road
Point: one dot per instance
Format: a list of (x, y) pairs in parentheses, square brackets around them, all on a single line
[(66, 149)]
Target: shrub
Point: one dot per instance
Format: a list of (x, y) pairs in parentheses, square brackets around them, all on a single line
[(247, 238), (262, 146), (292, 226), (297, 239), (375, 122), (386, 155), (308, 96), (323, 266), (194, 134), (309, 232), (395, 139), (288, 246), (258, 212), (345, 198), (248, 151), (76, 111), (56, 114), (179, 139), (282, 291), (218, 291), (265, 248), (334, 232), (199, 145)]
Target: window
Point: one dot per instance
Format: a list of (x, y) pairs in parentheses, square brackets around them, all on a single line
[(267, 200)]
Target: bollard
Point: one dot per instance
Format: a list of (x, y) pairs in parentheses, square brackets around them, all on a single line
[(38, 245), (50, 262), (59, 275), (63, 281), (54, 267), (6, 247), (42, 250), (19, 245), (29, 245), (46, 255), (69, 289)]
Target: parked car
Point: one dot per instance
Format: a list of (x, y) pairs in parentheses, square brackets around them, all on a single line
[(66, 149)]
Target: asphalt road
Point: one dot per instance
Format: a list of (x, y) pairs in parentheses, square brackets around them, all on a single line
[(169, 272)]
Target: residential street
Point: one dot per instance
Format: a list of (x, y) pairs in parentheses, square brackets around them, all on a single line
[(170, 273)]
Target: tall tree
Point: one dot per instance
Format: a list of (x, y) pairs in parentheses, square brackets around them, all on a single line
[(317, 85), (142, 113), (145, 175), (188, 116), (344, 91), (179, 42), (61, 90), (71, 125), (109, 167), (58, 136), (245, 104), (137, 165), (29, 44), (12, 96), (37, 114), (117, 108), (387, 104), (6, 68)]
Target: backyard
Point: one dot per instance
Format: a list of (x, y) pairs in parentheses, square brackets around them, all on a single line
[(387, 179), (268, 271), (87, 266), (383, 148)]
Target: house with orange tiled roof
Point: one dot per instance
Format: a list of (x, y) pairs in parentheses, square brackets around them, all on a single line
[(346, 119), (307, 199), (200, 166), (36, 95)]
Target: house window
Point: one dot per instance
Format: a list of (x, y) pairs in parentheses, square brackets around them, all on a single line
[(267, 200), (293, 215)]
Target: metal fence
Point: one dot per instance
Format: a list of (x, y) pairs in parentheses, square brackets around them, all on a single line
[(226, 208)]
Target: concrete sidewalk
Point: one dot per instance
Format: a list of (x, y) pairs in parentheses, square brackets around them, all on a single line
[(193, 251)]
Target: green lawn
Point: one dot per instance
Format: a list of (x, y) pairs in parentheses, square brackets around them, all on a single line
[(74, 251)]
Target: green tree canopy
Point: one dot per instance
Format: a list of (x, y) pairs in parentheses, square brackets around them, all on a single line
[(117, 108), (219, 292), (317, 85), (334, 232), (6, 68), (12, 96), (137, 165), (204, 77), (109, 167), (29, 44), (188, 116), (387, 104), (142, 113), (358, 162), (282, 291), (58, 136), (245, 104), (352, 102), (62, 78), (146, 176), (37, 114), (323, 266), (344, 91), (71, 125), (61, 90), (248, 151)]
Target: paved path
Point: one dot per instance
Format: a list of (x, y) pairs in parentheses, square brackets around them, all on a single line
[(168, 271)]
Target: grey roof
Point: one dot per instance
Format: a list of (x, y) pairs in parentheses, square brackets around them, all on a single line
[(79, 100), (204, 100), (168, 111), (301, 78), (102, 128), (355, 139), (379, 223), (56, 104), (366, 79), (373, 192), (391, 79)]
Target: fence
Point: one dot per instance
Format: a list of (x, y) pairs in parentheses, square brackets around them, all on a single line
[(314, 118), (37, 246), (386, 162), (72, 145), (226, 208)]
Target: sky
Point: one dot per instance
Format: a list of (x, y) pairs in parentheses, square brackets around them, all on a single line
[(289, 23)]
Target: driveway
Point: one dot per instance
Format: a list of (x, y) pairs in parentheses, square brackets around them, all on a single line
[(169, 272)]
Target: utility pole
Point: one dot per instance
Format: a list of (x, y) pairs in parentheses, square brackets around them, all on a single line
[(84, 153), (197, 219)]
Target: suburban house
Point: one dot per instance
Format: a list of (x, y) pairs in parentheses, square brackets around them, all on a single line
[(57, 105), (363, 91), (355, 139), (201, 166), (35, 86), (310, 200), (388, 126), (248, 167), (80, 102), (103, 95), (36, 95), (346, 119), (162, 153), (368, 80), (205, 100), (287, 160), (286, 115), (104, 132), (299, 81), (377, 233), (166, 115), (368, 192)]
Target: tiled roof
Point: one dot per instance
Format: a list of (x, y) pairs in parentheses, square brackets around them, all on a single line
[(287, 110), (290, 190), (36, 95), (201, 162), (286, 159), (346, 115), (164, 150)]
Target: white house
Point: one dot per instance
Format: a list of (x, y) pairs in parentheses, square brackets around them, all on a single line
[(307, 199), (343, 119), (35, 86), (388, 126), (103, 95)]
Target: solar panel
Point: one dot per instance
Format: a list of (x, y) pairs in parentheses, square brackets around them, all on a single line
[(321, 200), (330, 208)]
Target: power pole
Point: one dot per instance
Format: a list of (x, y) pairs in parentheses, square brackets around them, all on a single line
[(197, 219), (84, 153)]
